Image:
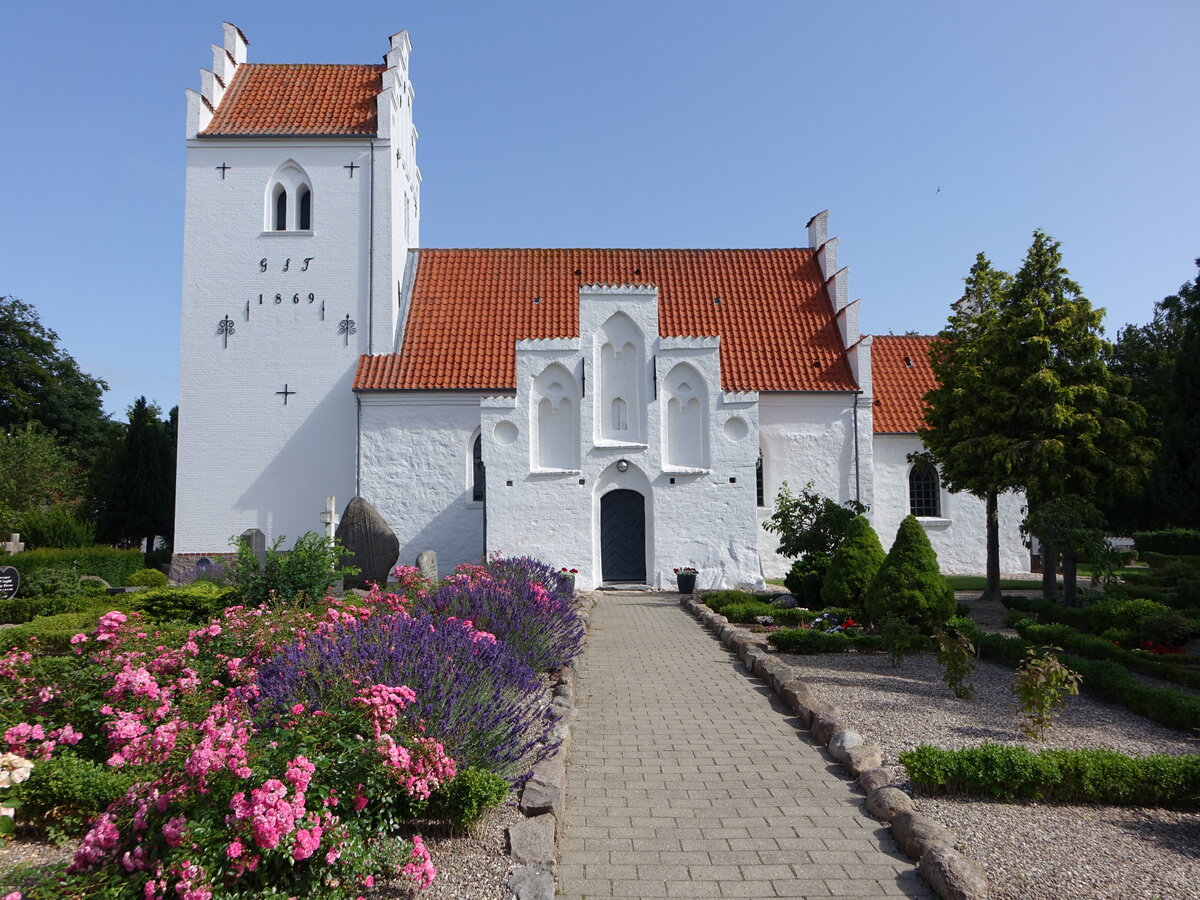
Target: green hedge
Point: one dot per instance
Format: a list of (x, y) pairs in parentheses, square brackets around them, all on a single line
[(113, 565), (809, 640), (19, 610), (197, 603), (1108, 681), (1093, 647), (1173, 541), (1078, 776), (52, 634), (1162, 560)]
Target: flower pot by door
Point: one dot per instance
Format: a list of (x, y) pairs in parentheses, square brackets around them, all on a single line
[(686, 582)]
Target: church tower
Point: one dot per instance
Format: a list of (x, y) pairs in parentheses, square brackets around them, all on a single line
[(302, 202)]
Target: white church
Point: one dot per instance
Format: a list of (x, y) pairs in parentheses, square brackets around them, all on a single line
[(621, 412)]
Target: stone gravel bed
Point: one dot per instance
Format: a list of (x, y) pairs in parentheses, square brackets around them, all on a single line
[(1031, 851)]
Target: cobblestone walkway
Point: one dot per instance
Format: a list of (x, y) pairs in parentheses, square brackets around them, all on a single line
[(689, 779)]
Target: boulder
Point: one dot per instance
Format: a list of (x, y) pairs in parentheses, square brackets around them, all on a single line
[(543, 792), (827, 723), (864, 757), (427, 565), (531, 883), (841, 744), (785, 601), (873, 779), (531, 841), (888, 802), (371, 546), (915, 834), (793, 693), (952, 875)]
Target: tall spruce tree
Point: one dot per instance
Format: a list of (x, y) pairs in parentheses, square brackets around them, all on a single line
[(1176, 480), (140, 500), (963, 436), (1071, 430)]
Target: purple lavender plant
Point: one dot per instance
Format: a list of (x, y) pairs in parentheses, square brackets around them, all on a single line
[(525, 603), (485, 705)]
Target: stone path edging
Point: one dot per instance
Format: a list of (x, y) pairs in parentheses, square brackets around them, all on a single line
[(533, 841), (950, 873)]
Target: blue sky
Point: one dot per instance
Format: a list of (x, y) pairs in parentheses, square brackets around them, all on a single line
[(643, 124)]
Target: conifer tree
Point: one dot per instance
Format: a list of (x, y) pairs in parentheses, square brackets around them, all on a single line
[(853, 566), (908, 587), (1176, 482)]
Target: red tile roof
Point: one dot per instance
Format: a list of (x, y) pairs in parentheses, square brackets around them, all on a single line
[(901, 376), (272, 99), (469, 307)]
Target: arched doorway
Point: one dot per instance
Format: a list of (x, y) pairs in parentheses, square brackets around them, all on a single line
[(623, 536)]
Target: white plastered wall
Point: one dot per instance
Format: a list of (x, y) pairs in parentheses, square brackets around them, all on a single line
[(811, 437), (959, 534), (417, 471)]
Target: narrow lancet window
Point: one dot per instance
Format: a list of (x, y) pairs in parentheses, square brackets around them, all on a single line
[(281, 210), (305, 220)]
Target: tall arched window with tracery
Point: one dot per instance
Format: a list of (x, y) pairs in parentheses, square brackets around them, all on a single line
[(289, 201), (924, 491)]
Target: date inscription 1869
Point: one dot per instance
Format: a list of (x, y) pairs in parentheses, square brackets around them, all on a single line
[(264, 265)]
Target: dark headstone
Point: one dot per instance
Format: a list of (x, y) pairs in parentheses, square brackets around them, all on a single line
[(371, 546), (785, 601), (427, 565), (10, 581)]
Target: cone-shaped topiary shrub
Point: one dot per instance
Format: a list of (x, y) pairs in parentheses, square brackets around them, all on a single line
[(853, 567), (908, 586)]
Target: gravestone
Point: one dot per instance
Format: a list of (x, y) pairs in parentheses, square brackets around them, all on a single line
[(257, 542), (10, 581), (371, 546), (13, 544), (427, 564)]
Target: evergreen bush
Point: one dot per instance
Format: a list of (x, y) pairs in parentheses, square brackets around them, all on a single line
[(197, 603), (908, 585), (853, 566), (805, 577), (146, 578), (58, 525)]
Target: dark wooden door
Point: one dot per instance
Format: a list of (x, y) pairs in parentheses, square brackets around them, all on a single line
[(623, 536)]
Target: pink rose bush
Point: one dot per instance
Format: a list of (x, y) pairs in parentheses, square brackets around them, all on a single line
[(285, 750)]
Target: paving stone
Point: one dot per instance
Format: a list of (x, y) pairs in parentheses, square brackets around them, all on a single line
[(681, 763)]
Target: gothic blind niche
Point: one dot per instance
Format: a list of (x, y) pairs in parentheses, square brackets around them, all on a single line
[(621, 401), (289, 200), (687, 418), (554, 409)]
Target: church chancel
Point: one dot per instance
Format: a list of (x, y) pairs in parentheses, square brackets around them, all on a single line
[(621, 412)]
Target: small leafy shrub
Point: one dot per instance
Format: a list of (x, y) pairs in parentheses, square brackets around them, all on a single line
[(718, 600), (853, 566), (146, 578), (44, 583), (1172, 541), (197, 603), (747, 612), (956, 655), (113, 565), (466, 799), (908, 586), (64, 793), (805, 577), (1068, 776), (306, 572), (52, 634), (1167, 627), (1042, 685)]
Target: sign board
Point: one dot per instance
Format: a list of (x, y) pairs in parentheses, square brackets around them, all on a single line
[(10, 580)]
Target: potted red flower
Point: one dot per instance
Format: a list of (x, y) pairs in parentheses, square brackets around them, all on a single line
[(685, 579)]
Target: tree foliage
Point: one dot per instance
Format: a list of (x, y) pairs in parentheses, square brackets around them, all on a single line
[(1176, 480), (853, 566), (41, 383), (35, 472), (808, 523), (139, 497)]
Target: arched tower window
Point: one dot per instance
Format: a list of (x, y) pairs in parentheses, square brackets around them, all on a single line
[(554, 408), (478, 476), (304, 222), (280, 208), (924, 492), (620, 398), (289, 205), (687, 418)]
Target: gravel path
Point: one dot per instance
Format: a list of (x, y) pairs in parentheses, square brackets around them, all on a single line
[(1031, 851)]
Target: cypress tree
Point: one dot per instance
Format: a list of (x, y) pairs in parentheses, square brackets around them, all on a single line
[(909, 587), (853, 566)]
